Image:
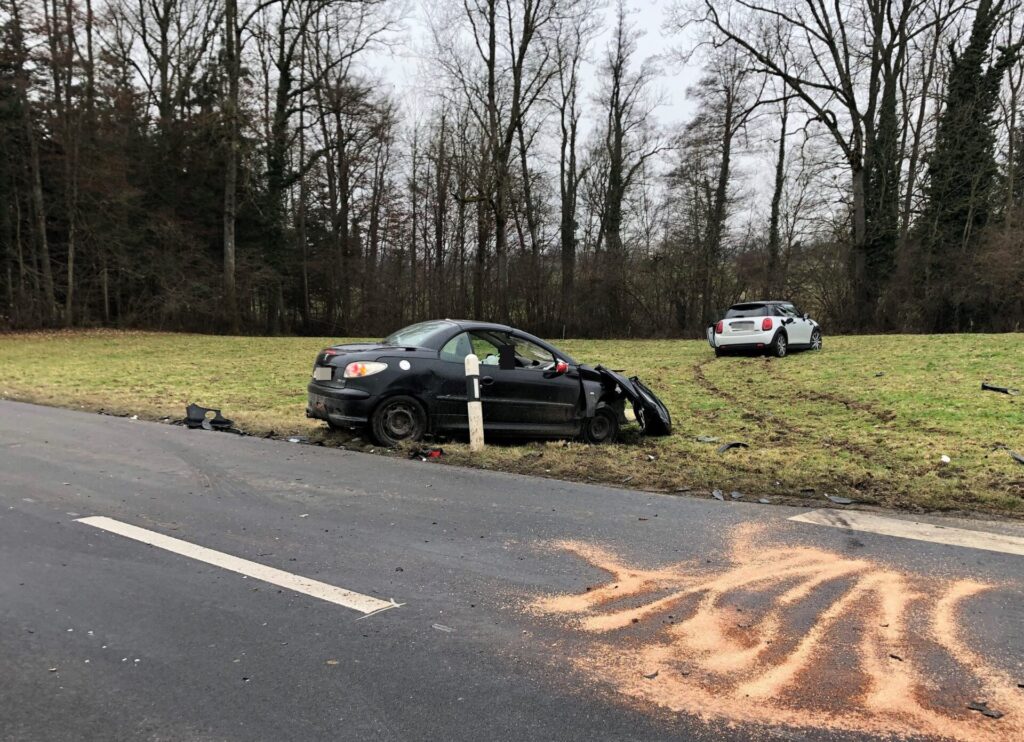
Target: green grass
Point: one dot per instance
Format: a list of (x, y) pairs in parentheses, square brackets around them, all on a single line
[(868, 417)]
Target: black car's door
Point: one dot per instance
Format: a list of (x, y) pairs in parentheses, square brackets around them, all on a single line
[(532, 393), (451, 399), (527, 396)]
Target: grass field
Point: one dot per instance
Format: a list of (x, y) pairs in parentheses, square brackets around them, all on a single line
[(867, 418)]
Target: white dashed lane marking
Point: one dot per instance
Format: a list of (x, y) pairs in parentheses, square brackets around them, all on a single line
[(338, 595), (917, 531)]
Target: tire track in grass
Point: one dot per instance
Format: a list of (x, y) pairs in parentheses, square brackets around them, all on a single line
[(775, 425)]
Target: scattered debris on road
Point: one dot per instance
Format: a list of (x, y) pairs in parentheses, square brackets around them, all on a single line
[(298, 439), (765, 501), (840, 500), (982, 707), (717, 494), (736, 495), (1016, 456), (707, 439), (999, 389), (651, 676), (733, 444), (442, 627), (426, 453), (944, 459)]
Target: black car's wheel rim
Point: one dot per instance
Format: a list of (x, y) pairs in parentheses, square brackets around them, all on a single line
[(600, 427), (400, 421)]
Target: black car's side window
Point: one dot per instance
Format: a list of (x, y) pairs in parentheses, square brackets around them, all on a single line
[(457, 348), (531, 355), (464, 343)]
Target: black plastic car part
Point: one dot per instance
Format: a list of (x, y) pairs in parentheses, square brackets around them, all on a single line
[(651, 412)]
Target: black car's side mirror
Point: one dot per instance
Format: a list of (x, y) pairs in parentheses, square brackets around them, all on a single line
[(560, 368)]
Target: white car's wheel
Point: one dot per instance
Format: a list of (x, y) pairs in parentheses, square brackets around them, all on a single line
[(816, 340), (779, 345)]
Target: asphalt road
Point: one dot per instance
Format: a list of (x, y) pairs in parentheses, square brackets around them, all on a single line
[(106, 638)]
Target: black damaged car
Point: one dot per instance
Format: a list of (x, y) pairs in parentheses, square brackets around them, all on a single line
[(413, 382)]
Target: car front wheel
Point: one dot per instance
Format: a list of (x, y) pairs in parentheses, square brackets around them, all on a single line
[(603, 427), (398, 419), (779, 346), (816, 340)]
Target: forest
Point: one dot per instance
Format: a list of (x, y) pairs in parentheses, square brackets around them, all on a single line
[(241, 167)]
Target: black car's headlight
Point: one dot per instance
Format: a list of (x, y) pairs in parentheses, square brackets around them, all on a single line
[(357, 369)]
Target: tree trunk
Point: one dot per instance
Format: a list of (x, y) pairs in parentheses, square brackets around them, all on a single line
[(39, 209), (771, 286), (231, 164)]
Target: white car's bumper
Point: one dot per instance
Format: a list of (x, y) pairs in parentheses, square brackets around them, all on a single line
[(740, 339)]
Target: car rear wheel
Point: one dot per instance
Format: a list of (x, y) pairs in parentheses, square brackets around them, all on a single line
[(816, 340), (779, 345), (603, 427), (398, 419), (719, 352)]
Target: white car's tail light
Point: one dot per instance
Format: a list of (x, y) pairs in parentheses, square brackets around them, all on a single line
[(356, 369), (766, 323), (719, 327)]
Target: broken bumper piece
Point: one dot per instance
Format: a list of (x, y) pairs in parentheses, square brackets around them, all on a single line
[(338, 406), (651, 413)]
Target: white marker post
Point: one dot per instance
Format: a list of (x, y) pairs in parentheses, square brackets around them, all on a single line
[(476, 414)]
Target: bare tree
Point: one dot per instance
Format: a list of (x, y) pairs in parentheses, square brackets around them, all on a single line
[(855, 53), (629, 141)]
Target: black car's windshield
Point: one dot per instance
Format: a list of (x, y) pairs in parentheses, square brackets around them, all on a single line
[(416, 336), (747, 310)]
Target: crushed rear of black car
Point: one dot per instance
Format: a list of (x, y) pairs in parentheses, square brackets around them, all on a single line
[(413, 383)]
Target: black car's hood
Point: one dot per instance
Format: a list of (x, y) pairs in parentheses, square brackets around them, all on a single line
[(651, 412)]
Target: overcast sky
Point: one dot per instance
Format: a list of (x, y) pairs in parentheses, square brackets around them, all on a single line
[(407, 67)]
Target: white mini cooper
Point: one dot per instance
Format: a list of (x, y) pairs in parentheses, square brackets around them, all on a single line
[(773, 327)]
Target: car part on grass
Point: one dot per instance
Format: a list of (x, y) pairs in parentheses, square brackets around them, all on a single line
[(707, 439), (985, 386), (840, 500), (199, 417), (1016, 456), (426, 453), (733, 444)]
